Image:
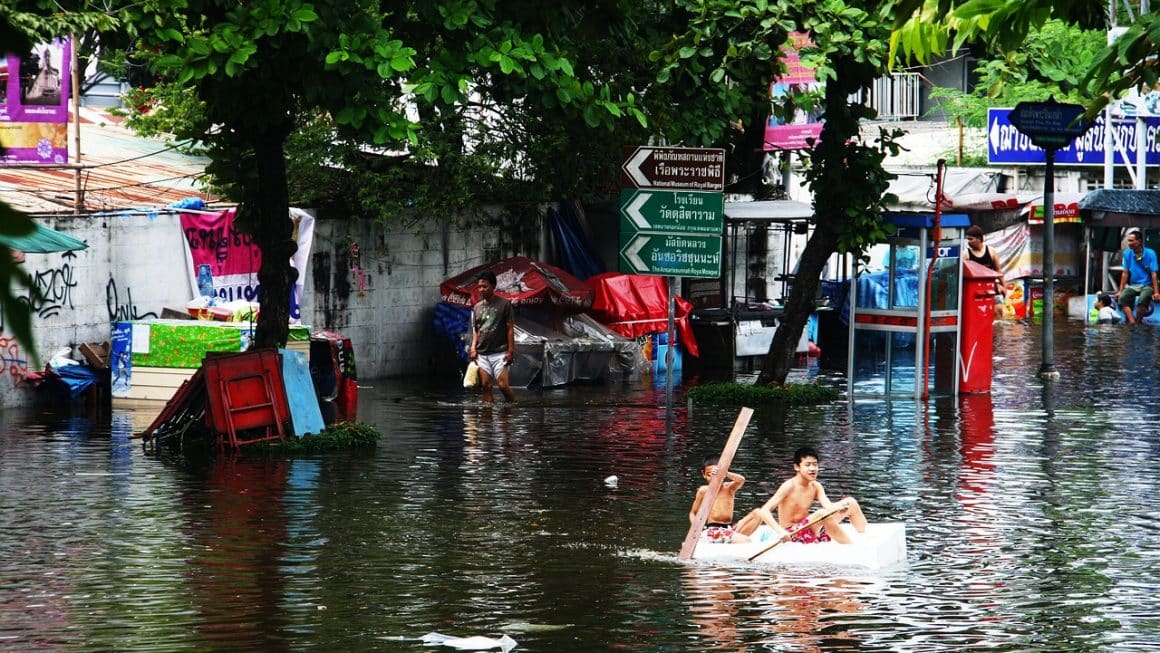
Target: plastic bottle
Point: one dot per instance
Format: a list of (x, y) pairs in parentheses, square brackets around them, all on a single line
[(205, 280)]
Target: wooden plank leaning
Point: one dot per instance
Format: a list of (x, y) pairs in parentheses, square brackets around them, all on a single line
[(723, 462)]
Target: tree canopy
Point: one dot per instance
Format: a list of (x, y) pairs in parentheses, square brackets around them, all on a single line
[(461, 89), (1051, 64)]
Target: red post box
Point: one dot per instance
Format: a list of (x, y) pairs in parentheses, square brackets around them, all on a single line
[(976, 339)]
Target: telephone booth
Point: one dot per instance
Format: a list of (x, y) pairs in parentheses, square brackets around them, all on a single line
[(905, 312)]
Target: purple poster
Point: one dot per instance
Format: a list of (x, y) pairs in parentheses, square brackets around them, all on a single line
[(34, 94), (795, 133)]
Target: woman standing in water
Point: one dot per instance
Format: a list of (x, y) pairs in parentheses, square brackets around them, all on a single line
[(981, 253)]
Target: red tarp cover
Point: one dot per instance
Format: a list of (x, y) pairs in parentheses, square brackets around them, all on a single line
[(523, 282), (635, 305)]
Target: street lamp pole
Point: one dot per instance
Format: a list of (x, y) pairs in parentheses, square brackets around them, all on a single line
[(1047, 369)]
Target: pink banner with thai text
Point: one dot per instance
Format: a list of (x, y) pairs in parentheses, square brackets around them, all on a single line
[(233, 259)]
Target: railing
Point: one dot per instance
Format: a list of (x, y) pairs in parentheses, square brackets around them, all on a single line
[(897, 97)]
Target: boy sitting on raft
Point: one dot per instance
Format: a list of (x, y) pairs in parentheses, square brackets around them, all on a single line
[(719, 526), (793, 501)]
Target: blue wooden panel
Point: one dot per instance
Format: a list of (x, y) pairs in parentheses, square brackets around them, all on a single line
[(304, 411)]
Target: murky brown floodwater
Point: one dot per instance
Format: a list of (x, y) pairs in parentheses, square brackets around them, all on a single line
[(1030, 516)]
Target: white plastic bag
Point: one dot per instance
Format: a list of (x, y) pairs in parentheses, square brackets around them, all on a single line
[(471, 376)]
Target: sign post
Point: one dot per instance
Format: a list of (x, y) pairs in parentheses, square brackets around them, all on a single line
[(672, 219), (1051, 126), (672, 214)]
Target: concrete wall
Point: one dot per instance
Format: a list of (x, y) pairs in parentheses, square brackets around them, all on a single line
[(135, 267)]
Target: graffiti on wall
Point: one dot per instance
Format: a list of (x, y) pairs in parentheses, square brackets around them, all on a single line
[(52, 289), (126, 311), (12, 361)]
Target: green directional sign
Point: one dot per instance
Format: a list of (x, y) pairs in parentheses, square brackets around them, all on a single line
[(676, 255), (671, 211)]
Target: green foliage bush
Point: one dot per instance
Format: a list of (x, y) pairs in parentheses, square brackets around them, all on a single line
[(336, 437), (342, 436), (739, 394)]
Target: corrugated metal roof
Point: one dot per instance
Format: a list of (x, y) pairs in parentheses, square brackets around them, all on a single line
[(1142, 202), (122, 171)]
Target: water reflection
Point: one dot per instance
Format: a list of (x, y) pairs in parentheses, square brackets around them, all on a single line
[(237, 526), (1029, 514), (981, 518), (774, 609)]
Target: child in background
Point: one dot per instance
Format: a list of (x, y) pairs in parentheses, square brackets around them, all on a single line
[(719, 525), (1106, 312)]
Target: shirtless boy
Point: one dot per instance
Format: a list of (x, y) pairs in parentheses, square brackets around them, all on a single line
[(793, 501), (719, 525)]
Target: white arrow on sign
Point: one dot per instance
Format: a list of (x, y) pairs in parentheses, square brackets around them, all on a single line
[(633, 253), (634, 207), (632, 166)]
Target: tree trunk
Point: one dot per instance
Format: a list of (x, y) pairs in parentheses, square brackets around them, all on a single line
[(798, 307), (830, 175), (272, 234)]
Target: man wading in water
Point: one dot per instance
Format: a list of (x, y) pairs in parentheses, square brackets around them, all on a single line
[(493, 338)]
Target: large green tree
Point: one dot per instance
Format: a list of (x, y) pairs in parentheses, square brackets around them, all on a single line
[(433, 80), (734, 46)]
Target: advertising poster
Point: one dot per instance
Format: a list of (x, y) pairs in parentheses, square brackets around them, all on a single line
[(34, 94), (781, 134)]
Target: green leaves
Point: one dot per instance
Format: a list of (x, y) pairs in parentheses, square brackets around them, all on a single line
[(15, 315), (1052, 62)]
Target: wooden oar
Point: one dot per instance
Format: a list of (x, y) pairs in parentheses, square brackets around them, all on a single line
[(723, 462), (815, 518)]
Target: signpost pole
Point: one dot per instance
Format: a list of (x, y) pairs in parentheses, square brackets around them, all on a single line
[(670, 355), (1047, 371), (1051, 126)]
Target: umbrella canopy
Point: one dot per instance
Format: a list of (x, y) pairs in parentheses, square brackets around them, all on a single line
[(42, 240), (523, 282), (634, 305)]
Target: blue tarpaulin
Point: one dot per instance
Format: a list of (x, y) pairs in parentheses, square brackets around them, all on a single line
[(573, 249), (78, 378), (453, 322)]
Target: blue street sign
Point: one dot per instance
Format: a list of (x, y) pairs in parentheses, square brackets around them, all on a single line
[(1049, 124), (1006, 145)]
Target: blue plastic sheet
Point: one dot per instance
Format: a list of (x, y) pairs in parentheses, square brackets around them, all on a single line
[(453, 322), (574, 251), (78, 378)]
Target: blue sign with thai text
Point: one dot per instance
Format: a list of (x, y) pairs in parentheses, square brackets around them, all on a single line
[(1006, 145)]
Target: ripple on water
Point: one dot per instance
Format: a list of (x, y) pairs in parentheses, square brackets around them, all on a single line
[(1029, 515)]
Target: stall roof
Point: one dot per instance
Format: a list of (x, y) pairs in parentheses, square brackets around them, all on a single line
[(768, 211), (914, 187), (1112, 207)]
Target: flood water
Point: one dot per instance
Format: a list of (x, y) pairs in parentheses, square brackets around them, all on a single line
[(1030, 517)]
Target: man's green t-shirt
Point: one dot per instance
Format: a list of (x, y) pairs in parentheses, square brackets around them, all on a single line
[(490, 319)]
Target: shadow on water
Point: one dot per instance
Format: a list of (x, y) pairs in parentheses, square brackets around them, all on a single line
[(1029, 515)]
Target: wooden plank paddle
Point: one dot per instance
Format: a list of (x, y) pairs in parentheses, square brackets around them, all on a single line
[(723, 462), (818, 516)]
